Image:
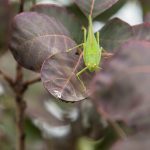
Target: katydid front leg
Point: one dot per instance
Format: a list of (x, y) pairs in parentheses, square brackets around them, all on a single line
[(78, 76), (82, 44), (74, 47)]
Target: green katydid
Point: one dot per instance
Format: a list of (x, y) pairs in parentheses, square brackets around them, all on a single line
[(92, 52)]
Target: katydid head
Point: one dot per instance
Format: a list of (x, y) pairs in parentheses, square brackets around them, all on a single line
[(92, 67)]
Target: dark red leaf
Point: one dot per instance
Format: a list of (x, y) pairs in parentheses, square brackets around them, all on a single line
[(142, 31), (94, 6), (68, 19), (115, 33), (121, 89), (36, 36), (58, 75), (136, 142)]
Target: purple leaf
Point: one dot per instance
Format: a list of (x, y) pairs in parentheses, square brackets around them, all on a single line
[(121, 89), (94, 6), (36, 36), (115, 33), (142, 31), (58, 75), (136, 142), (68, 19)]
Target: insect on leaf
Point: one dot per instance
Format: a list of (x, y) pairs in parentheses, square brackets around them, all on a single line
[(58, 75)]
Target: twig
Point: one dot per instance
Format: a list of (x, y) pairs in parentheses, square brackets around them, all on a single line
[(19, 73), (92, 6), (19, 87), (117, 128), (20, 108), (20, 117), (20, 103), (32, 81), (120, 132), (21, 9), (7, 78)]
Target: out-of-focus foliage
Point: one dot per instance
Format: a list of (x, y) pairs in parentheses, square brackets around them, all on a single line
[(146, 10), (117, 93), (145, 6), (118, 86), (136, 142), (4, 24), (121, 32)]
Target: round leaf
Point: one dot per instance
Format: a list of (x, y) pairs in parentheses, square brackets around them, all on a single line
[(115, 33), (136, 142), (35, 36), (69, 20), (94, 6), (58, 75), (121, 90), (142, 31)]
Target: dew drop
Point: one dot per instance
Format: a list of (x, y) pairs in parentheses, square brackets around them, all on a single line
[(57, 94)]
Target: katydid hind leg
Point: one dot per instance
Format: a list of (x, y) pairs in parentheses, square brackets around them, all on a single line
[(78, 76)]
